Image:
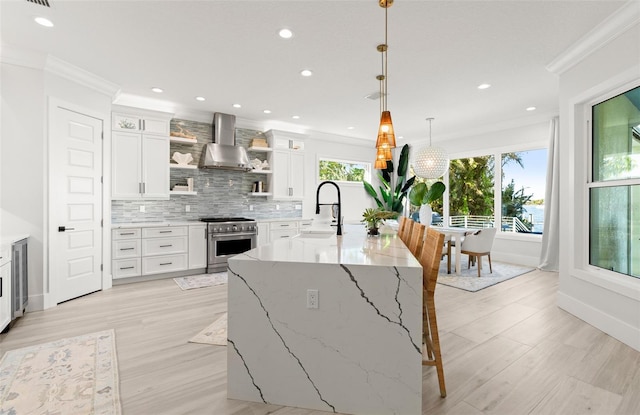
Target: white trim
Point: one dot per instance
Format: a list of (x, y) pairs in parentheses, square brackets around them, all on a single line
[(80, 76), (518, 259), (602, 321), (13, 55), (618, 283), (609, 29)]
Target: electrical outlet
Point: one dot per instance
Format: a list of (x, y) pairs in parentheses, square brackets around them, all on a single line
[(187, 208), (312, 298), (277, 207), (143, 209), (251, 208), (298, 207)]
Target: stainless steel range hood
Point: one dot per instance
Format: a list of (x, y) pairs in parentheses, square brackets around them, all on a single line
[(223, 153)]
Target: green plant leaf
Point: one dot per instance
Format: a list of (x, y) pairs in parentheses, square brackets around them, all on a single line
[(386, 173), (403, 163), (384, 182), (408, 184), (372, 192), (434, 193), (417, 193)]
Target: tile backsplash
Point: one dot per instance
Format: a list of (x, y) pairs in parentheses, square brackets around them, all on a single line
[(220, 192)]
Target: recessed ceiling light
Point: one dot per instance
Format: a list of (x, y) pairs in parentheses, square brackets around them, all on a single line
[(350, 128), (531, 108), (157, 90), (43, 21), (237, 106), (200, 98), (484, 86), (296, 117), (306, 72), (267, 111), (285, 33)]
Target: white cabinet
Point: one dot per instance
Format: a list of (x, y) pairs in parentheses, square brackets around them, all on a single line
[(140, 154), (282, 229), (5, 289), (197, 246), (263, 234), (287, 164)]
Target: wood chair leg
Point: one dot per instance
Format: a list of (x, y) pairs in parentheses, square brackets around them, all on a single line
[(435, 338), (479, 257), (490, 268), (449, 257)]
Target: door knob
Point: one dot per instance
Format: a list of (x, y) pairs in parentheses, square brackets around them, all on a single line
[(64, 228)]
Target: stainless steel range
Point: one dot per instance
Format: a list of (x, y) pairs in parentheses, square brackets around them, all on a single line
[(227, 237)]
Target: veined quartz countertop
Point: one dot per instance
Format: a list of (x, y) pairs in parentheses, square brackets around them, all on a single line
[(353, 247)]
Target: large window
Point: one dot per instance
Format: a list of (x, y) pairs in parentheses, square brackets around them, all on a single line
[(471, 187), (343, 170), (614, 188)]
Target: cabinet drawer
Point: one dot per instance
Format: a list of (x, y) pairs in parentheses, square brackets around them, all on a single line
[(127, 248), (165, 263), (123, 268), (126, 234), (304, 224), (162, 246), (164, 231), (284, 225), (282, 233)]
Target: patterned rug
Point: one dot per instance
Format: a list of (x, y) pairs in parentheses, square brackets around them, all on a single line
[(216, 333), (469, 281), (76, 375), (202, 280)]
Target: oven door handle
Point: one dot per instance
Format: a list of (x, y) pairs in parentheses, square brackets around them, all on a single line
[(227, 235)]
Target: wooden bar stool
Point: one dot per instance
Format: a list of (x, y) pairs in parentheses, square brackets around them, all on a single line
[(430, 261), (417, 239)]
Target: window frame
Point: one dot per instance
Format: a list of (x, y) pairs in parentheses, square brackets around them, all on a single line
[(367, 174)]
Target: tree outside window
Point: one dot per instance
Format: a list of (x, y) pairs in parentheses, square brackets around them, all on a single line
[(343, 170)]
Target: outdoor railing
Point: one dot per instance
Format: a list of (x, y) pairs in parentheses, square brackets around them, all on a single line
[(509, 224)]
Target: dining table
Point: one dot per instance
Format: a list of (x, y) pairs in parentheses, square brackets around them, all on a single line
[(456, 235)]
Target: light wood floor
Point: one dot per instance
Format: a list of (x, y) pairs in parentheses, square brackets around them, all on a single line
[(507, 350)]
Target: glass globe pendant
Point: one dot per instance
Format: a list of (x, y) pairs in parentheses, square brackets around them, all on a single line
[(431, 162)]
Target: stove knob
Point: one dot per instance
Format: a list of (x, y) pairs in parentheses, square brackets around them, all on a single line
[(229, 229), (234, 228)]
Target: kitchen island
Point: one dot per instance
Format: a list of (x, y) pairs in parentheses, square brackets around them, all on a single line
[(358, 352)]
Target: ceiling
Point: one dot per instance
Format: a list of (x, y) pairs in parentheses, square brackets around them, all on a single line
[(230, 52)]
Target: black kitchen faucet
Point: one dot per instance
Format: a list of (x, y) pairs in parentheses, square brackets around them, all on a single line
[(318, 204)]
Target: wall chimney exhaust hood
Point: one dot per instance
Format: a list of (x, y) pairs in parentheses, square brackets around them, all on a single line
[(223, 153)]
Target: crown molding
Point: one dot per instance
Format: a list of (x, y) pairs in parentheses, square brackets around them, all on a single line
[(610, 28), (14, 55), (80, 76)]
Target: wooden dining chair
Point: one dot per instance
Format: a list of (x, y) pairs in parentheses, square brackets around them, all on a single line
[(417, 238), (405, 233), (430, 261), (402, 224)]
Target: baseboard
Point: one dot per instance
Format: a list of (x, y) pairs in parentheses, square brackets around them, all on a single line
[(129, 280), (614, 327), (36, 303), (525, 260)]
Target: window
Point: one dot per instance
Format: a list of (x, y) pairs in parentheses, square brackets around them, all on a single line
[(344, 170), (471, 187), (614, 188), (523, 184)]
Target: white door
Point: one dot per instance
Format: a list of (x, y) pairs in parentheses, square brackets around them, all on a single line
[(76, 204)]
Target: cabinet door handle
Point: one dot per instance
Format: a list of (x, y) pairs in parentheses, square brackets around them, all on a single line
[(284, 226), (165, 246), (166, 263), (144, 126), (126, 268), (144, 187), (127, 249), (0, 286), (140, 124), (165, 231), (127, 233)]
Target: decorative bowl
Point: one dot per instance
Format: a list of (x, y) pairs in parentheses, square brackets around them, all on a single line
[(182, 159)]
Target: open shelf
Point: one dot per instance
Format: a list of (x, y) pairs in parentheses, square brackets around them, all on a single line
[(261, 171), (182, 193), (260, 149), (259, 194), (182, 140), (182, 166)]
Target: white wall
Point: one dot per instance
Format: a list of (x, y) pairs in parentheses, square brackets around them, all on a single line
[(354, 197), (608, 301), (24, 176)]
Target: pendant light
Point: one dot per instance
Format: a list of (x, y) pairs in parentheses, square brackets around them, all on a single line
[(386, 135), (431, 162)]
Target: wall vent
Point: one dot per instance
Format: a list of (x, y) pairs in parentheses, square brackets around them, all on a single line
[(44, 3)]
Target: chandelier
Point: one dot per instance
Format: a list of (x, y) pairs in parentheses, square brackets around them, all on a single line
[(431, 162), (386, 136)]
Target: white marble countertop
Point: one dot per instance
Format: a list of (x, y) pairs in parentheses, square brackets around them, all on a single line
[(353, 247), (154, 224)]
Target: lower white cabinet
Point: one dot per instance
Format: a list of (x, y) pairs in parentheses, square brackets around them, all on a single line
[(164, 263), (5, 289), (263, 233), (197, 246)]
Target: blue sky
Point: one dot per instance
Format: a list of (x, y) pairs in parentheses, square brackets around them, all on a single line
[(532, 176)]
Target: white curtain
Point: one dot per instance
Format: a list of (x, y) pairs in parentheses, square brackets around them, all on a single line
[(549, 257)]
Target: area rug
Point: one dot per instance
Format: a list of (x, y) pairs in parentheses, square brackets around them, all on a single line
[(202, 280), (468, 279), (216, 333), (76, 375)]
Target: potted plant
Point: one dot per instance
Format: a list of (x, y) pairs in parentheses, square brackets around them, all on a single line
[(372, 218), (422, 195), (394, 187)]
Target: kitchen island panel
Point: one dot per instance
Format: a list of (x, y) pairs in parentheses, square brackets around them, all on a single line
[(359, 352)]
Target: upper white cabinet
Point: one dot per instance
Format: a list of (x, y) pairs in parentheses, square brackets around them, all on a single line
[(287, 164), (140, 151)]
